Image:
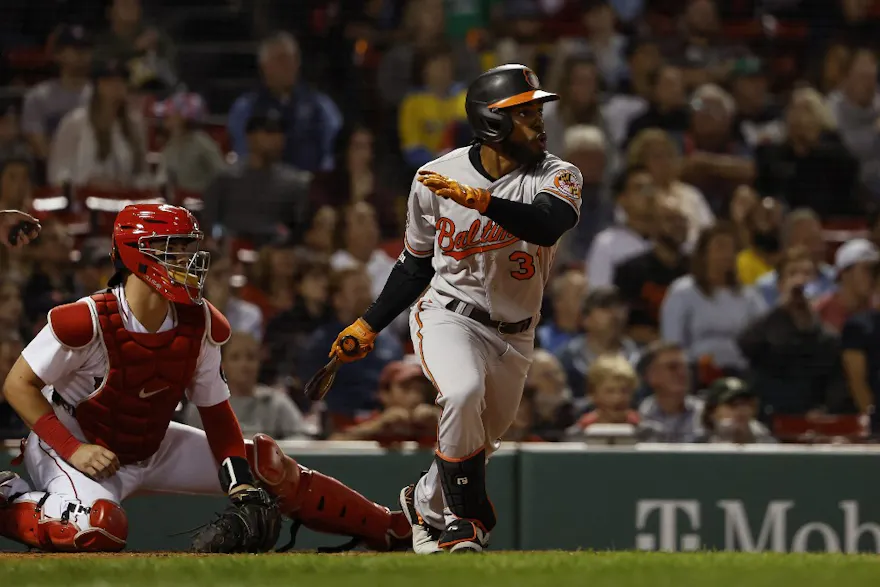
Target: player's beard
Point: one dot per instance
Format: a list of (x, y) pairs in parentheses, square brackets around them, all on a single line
[(524, 154)]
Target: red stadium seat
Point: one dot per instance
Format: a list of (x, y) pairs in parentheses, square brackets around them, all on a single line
[(802, 429)]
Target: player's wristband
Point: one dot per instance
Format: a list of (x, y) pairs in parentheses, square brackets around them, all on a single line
[(51, 431), (235, 471)]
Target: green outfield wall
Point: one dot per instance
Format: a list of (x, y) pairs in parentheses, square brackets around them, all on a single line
[(566, 496)]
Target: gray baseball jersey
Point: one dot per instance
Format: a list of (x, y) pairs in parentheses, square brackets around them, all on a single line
[(479, 373), (475, 260)]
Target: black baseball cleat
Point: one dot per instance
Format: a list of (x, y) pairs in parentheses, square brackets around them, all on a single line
[(424, 536), (463, 536)]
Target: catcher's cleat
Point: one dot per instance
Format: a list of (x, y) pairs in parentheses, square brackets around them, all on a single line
[(424, 536), (463, 536)]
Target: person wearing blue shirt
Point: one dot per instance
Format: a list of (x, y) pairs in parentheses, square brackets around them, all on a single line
[(312, 119), (802, 228)]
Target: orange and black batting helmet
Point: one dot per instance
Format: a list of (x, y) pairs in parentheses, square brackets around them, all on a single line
[(499, 88)]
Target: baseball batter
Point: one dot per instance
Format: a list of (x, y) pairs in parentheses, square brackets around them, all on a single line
[(482, 226), (99, 386)]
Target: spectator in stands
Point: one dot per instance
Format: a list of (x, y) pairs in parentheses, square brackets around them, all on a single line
[(520, 39), (11, 426), (633, 98), (811, 168), (357, 179), (671, 413), (13, 145), (698, 45), (578, 103), (15, 184), (668, 109), (604, 322), (860, 342), (793, 359), (148, 52), (634, 191), (611, 383), (259, 408), (274, 277), (567, 292), (92, 269), (319, 236), (764, 222), (356, 385), (873, 227), (423, 24), (242, 316), (407, 413), (260, 199), (744, 199), (833, 66), (46, 103), (704, 311), (552, 402), (190, 156), (309, 120), (288, 332), (101, 145), (602, 44), (655, 150), (12, 316), (51, 280), (434, 103), (360, 246), (802, 228), (729, 414), (586, 148), (856, 109), (644, 279), (856, 264), (715, 161), (758, 117), (522, 429)]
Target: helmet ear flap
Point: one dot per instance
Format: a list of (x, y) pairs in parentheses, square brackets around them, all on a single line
[(489, 124)]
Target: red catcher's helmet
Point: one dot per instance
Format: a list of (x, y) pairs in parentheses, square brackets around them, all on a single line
[(160, 244)]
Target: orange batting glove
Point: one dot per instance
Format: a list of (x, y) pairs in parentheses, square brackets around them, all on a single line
[(362, 333), (475, 198)]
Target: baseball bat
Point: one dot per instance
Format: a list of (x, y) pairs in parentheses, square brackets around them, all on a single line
[(321, 382)]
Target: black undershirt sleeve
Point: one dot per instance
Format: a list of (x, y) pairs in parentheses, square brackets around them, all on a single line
[(409, 278), (540, 223)]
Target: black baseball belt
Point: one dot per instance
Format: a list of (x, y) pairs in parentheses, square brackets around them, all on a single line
[(483, 318)]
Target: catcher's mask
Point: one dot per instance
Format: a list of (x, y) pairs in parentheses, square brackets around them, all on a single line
[(160, 244), (496, 90)]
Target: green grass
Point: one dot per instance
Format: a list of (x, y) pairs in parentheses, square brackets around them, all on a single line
[(502, 569)]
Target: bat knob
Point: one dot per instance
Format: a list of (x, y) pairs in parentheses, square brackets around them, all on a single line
[(350, 345)]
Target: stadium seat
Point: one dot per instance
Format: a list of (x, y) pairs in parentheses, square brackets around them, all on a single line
[(796, 428)]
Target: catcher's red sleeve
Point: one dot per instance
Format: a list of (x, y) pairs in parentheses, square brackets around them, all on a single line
[(223, 431)]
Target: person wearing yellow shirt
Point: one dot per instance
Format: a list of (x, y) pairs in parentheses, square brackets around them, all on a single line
[(765, 223), (426, 113)]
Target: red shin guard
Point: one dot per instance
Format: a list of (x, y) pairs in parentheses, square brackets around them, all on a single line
[(322, 503), (24, 522)]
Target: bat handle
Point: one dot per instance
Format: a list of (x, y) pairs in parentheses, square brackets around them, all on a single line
[(349, 345)]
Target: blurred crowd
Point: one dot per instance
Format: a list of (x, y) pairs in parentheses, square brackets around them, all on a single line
[(721, 285)]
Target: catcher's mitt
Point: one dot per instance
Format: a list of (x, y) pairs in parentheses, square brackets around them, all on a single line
[(251, 524)]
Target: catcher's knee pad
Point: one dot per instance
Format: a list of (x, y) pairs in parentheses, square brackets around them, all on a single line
[(464, 488), (322, 503), (103, 527)]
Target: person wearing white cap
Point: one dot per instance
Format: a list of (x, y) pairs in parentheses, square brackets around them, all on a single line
[(856, 264)]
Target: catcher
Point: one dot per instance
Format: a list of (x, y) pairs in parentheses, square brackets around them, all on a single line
[(99, 385)]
